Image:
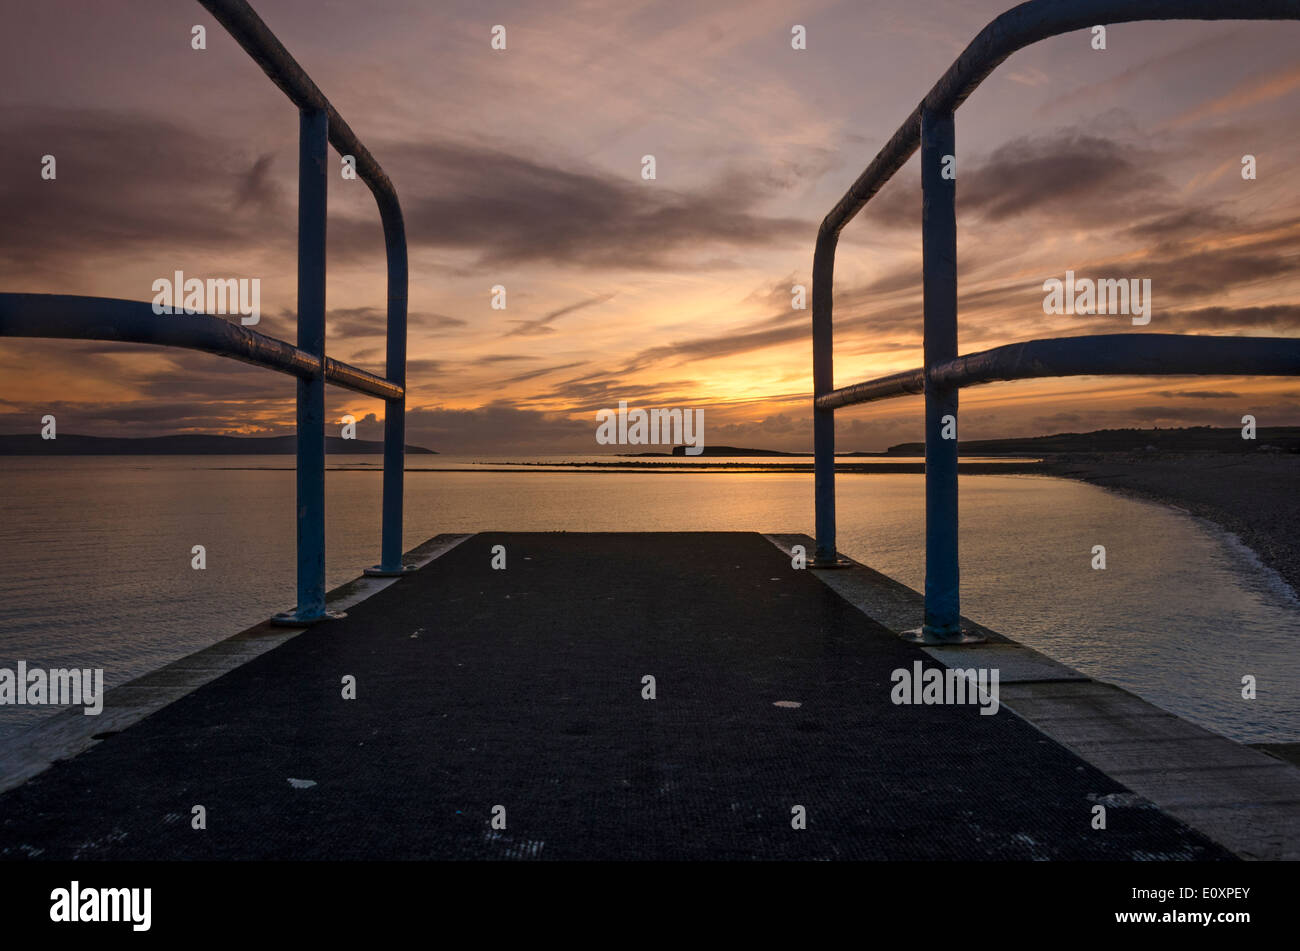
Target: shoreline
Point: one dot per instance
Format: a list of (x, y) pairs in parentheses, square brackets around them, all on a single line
[(1254, 497)]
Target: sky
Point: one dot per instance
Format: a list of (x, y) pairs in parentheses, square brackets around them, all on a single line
[(523, 168)]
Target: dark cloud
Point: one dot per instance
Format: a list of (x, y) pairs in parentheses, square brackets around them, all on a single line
[(1183, 224), (256, 186), (165, 373), (1045, 423), (1180, 276), (373, 322), (501, 358), (852, 318), (602, 390), (989, 313), (146, 418), (1281, 318), (417, 368), (720, 345), (534, 374), (1204, 273), (514, 209), (1192, 415), (498, 429), (1074, 179), (780, 295), (128, 182), (542, 325), (775, 427)]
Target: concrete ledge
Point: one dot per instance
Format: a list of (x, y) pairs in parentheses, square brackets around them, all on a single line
[(65, 734), (1015, 662), (884, 600), (1242, 798)]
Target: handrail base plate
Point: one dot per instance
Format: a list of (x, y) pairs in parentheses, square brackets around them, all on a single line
[(379, 571), (921, 635), (298, 619)]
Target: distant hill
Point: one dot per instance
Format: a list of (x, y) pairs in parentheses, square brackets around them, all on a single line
[(31, 444), (736, 451), (1192, 439)]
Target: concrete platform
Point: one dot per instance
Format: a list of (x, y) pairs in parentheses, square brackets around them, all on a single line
[(523, 688)]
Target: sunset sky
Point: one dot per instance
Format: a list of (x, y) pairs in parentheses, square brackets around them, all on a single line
[(523, 168)]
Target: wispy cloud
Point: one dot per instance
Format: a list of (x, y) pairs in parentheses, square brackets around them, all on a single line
[(542, 325)]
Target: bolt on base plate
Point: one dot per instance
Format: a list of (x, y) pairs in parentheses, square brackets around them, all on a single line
[(379, 571), (294, 619), (838, 562), (921, 635)]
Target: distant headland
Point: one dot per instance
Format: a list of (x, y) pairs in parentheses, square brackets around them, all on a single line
[(1186, 439), (733, 451)]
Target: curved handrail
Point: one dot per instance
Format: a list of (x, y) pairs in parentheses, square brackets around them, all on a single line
[(930, 128), (243, 23)]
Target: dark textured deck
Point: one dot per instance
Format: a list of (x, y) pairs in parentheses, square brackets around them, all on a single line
[(523, 688)]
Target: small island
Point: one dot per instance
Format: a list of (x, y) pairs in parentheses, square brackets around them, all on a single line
[(733, 451)]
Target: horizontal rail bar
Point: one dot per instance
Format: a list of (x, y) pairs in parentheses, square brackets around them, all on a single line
[(907, 383), (103, 318), (1097, 355), (348, 377)]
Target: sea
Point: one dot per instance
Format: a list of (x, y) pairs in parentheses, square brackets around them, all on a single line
[(96, 552)]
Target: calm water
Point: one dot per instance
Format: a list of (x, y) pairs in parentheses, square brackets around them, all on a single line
[(95, 561)]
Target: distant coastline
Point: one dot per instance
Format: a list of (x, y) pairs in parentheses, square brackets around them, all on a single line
[(31, 444), (1187, 439)]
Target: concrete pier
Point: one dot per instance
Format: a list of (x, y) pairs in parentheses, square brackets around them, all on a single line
[(505, 714)]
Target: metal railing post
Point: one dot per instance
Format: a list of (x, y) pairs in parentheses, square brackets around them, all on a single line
[(390, 547), (939, 264), (313, 164), (394, 448), (823, 382)]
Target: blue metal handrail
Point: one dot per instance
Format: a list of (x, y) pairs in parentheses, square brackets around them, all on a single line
[(930, 127), (94, 318)]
